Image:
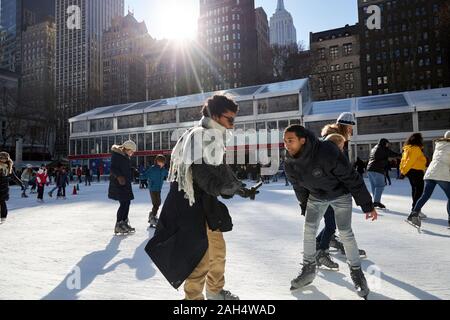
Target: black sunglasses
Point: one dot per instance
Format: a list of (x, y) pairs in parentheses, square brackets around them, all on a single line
[(230, 119)]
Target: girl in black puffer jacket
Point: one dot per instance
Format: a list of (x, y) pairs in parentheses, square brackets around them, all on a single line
[(6, 173)]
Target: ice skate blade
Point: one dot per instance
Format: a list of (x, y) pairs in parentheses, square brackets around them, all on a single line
[(121, 234), (419, 229), (296, 289), (322, 267)]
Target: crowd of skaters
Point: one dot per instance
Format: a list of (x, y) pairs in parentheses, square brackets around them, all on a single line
[(309, 160)]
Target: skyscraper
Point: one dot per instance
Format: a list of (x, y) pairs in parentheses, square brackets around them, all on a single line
[(78, 78), (227, 35), (10, 34), (263, 41), (124, 46), (15, 17), (282, 29)]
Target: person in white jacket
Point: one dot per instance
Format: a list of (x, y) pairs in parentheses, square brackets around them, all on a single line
[(438, 173)]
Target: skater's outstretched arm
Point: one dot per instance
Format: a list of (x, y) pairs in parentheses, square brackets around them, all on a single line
[(215, 180)]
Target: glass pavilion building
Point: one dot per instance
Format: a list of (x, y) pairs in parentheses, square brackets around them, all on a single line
[(151, 124)]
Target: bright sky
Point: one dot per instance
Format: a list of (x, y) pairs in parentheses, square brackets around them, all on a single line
[(178, 18)]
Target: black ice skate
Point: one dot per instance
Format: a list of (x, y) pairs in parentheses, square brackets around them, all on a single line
[(335, 243), (306, 276), (153, 221), (323, 259), (121, 228), (379, 205), (360, 282), (129, 227), (414, 220)]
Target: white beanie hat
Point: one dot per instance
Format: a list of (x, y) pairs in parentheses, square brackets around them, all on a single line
[(346, 118), (447, 135), (129, 145)]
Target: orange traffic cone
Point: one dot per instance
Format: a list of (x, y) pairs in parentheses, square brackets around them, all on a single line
[(74, 190)]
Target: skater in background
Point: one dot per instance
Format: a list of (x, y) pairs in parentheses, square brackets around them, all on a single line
[(438, 173), (41, 180), (62, 180), (26, 177), (87, 176), (360, 166), (188, 245), (387, 172), (155, 176), (338, 140), (142, 178), (79, 174), (120, 184), (284, 173), (378, 159), (70, 174), (57, 172), (397, 166), (322, 177), (33, 183), (413, 166), (6, 174), (98, 174)]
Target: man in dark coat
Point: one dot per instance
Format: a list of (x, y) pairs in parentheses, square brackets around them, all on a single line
[(378, 161), (188, 245), (120, 184), (322, 176)]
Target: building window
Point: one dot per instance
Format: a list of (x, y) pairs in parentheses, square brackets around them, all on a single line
[(133, 121), (434, 120), (79, 127), (190, 114), (245, 108), (322, 53), (385, 124), (101, 125), (279, 104), (334, 52), (161, 117), (348, 48)]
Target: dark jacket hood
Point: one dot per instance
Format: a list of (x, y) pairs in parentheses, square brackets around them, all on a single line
[(312, 143), (383, 142)]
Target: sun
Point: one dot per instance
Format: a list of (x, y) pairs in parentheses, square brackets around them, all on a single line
[(179, 19)]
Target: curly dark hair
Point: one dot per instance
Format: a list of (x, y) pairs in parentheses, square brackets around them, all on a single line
[(218, 105), (415, 139)]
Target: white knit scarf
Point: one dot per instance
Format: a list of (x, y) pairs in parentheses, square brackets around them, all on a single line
[(202, 143)]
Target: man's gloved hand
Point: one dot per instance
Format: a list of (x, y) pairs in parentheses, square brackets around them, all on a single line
[(122, 181), (248, 193), (303, 209)]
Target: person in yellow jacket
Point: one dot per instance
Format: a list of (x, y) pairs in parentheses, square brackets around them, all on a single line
[(413, 165)]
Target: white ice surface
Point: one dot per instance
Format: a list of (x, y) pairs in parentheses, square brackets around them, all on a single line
[(41, 245)]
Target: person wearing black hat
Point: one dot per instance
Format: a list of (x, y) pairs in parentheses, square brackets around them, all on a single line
[(378, 160)]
